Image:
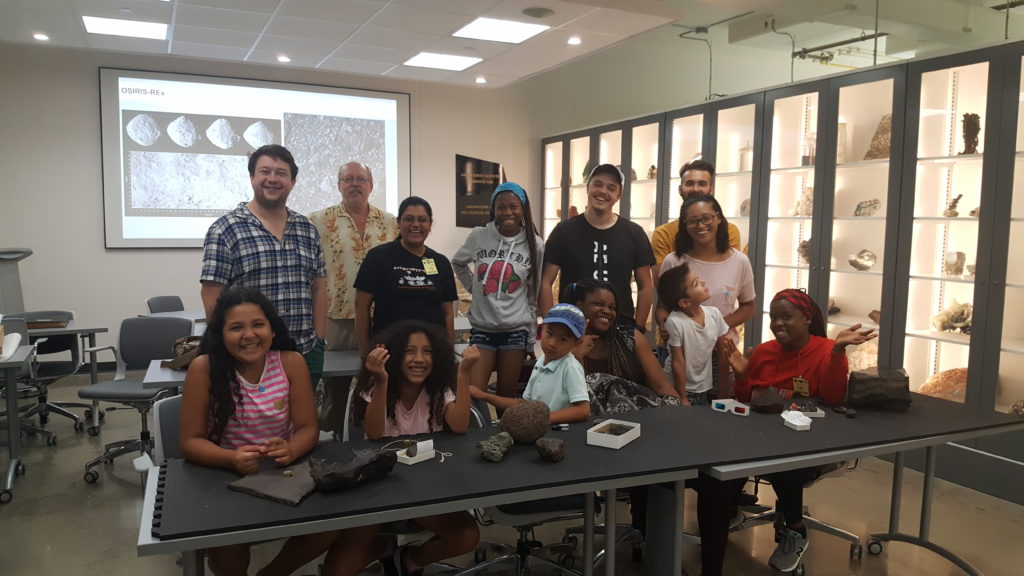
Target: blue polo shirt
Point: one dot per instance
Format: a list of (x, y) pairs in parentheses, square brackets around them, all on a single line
[(559, 383)]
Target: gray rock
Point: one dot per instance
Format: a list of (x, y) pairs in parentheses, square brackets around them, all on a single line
[(550, 449), (493, 449)]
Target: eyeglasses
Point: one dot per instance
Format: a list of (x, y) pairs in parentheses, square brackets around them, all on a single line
[(734, 406), (415, 219), (354, 179), (705, 220)]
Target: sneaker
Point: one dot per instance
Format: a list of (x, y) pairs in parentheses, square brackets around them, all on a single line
[(789, 552)]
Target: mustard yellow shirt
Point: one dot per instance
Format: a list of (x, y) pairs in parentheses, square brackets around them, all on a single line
[(663, 241), (344, 251)]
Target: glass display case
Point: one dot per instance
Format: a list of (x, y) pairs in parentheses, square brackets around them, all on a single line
[(735, 143), (862, 134), (553, 180), (789, 247), (580, 165), (687, 144), (944, 242), (643, 187)]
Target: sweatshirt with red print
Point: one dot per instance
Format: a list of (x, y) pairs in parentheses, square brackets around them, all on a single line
[(496, 270)]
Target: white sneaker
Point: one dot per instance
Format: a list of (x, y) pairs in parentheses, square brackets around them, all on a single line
[(790, 550)]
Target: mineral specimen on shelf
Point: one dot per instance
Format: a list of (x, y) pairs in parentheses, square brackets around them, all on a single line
[(804, 251), (221, 134), (953, 264), (976, 212), (867, 207), (745, 208), (551, 449), (143, 130), (969, 274), (183, 132), (948, 384), (956, 317), (951, 211), (875, 316), (972, 127), (494, 447), (805, 205), (1018, 408), (863, 260), (526, 421), (652, 172), (880, 142), (832, 308), (632, 174), (366, 465)]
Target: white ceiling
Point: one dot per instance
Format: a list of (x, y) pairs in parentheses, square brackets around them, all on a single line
[(374, 37)]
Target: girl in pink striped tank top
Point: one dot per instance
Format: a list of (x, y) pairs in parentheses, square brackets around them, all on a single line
[(248, 400)]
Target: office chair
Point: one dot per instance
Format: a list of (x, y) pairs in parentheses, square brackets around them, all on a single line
[(164, 304), (140, 341), (19, 326)]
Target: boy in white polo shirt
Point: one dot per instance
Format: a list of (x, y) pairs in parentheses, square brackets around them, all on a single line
[(557, 379)]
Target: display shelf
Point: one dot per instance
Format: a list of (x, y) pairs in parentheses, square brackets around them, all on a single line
[(971, 158), (720, 175), (793, 170), (787, 266), (851, 272), (859, 219), (1012, 346), (640, 181), (952, 279), (945, 337), (846, 320), (967, 218), (790, 218), (876, 163)]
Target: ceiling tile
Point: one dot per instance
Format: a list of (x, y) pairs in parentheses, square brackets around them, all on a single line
[(414, 73), (469, 79), (296, 47), (138, 9), (311, 29), (265, 6), (356, 66), (564, 11), (469, 7), (468, 47), (511, 67), (75, 39), (558, 40), (306, 59), (204, 17), (209, 51), (419, 20), (123, 44), (351, 11), (352, 51), (617, 22), (391, 38), (214, 37)]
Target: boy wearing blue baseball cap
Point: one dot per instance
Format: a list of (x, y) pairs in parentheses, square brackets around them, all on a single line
[(557, 379)]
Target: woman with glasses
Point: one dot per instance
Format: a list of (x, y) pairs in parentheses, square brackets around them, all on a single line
[(405, 279), (703, 243)]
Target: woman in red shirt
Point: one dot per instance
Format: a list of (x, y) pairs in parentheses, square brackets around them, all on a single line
[(800, 361)]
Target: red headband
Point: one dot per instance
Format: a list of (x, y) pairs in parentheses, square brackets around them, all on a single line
[(798, 298)]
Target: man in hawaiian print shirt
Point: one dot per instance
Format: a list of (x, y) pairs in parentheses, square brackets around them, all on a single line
[(347, 232)]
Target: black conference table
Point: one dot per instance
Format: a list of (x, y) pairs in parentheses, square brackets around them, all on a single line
[(197, 510)]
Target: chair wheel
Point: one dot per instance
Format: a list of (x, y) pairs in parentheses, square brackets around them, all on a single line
[(92, 430), (799, 571), (874, 547), (479, 555), (856, 551), (90, 477), (19, 470), (567, 560), (6, 496), (572, 541), (79, 426)]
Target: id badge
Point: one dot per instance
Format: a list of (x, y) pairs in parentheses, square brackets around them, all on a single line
[(429, 267), (801, 386)]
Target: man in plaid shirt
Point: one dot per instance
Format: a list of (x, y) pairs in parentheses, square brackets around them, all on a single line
[(264, 245)]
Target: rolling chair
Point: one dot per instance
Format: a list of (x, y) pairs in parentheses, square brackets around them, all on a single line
[(13, 325), (164, 304), (140, 341)]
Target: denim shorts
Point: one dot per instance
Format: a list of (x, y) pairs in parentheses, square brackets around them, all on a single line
[(491, 341)]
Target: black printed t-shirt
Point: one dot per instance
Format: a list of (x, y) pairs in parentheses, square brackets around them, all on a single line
[(401, 286), (582, 251)]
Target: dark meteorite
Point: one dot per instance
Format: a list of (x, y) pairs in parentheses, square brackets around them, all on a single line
[(366, 465)]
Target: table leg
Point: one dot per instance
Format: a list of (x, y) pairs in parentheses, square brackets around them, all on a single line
[(13, 433), (192, 563), (588, 534), (94, 377), (663, 542), (921, 540), (609, 532)]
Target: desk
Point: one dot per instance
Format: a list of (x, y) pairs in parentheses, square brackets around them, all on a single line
[(88, 336), (199, 512), (11, 368), (336, 363), (929, 423)]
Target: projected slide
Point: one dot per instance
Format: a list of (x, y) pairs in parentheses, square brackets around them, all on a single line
[(176, 148)]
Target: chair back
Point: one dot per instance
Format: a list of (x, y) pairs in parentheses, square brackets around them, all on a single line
[(16, 326), (348, 429), (166, 424), (148, 338), (164, 304)]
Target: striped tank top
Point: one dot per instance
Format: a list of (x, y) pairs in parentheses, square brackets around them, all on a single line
[(263, 412)]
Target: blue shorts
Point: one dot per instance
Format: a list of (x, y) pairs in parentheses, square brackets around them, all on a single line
[(491, 341)]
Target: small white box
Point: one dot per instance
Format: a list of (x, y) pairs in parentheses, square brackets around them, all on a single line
[(424, 451), (599, 434), (818, 413), (796, 420), (797, 426)]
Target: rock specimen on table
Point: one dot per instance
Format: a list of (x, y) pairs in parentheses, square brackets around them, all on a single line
[(881, 141), (366, 465), (863, 260), (551, 449), (951, 211), (221, 134), (143, 130), (953, 265), (882, 387), (183, 132), (526, 421), (767, 400), (948, 384), (494, 447), (955, 317), (867, 207), (972, 128)]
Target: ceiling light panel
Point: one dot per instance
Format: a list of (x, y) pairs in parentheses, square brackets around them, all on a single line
[(130, 28), (442, 61), (508, 31)]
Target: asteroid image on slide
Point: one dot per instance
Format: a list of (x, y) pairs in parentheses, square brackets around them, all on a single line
[(182, 184), (183, 131), (143, 130), (221, 134)]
